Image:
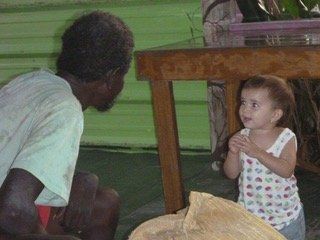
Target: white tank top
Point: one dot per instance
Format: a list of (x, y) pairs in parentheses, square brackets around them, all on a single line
[(264, 193)]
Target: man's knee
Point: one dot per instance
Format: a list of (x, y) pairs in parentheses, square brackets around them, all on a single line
[(87, 179), (106, 213), (15, 219), (110, 196), (108, 200)]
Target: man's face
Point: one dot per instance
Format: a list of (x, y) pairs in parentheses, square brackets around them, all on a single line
[(106, 92)]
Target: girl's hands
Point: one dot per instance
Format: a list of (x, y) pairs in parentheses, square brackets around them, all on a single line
[(283, 165), (242, 143), (235, 143), (249, 148)]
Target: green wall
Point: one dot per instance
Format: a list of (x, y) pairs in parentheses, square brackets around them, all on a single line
[(30, 33)]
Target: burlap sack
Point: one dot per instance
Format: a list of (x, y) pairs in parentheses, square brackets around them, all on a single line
[(207, 218)]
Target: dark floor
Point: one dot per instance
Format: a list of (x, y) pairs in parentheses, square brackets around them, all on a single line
[(137, 178)]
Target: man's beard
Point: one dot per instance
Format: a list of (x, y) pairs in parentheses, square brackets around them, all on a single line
[(106, 107)]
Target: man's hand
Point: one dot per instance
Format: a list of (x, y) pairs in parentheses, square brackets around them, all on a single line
[(77, 214)]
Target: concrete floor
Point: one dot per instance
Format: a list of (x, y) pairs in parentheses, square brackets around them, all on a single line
[(137, 178)]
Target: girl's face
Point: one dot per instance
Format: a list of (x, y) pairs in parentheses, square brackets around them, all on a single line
[(257, 110)]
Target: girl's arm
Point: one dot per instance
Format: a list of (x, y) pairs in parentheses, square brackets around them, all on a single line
[(232, 166), (283, 165)]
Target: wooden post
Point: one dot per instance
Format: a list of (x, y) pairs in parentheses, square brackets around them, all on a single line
[(168, 144)]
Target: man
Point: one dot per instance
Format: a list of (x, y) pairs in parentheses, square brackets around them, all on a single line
[(41, 122)]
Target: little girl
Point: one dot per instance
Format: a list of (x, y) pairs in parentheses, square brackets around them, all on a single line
[(264, 154)]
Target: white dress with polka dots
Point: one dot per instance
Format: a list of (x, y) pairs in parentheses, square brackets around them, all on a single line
[(264, 193)]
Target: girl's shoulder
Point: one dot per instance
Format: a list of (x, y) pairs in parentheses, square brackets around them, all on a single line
[(285, 132), (285, 135)]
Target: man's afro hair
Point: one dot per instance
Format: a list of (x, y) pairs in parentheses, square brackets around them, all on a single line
[(95, 44)]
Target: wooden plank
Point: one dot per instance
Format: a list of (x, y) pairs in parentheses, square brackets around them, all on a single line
[(228, 63)]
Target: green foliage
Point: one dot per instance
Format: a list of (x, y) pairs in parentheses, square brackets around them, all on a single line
[(290, 7), (310, 4), (193, 19), (298, 8)]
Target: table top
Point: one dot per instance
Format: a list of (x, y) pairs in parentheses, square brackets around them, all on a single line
[(248, 39), (234, 56)]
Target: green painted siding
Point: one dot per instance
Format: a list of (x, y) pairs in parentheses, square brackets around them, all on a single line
[(30, 33)]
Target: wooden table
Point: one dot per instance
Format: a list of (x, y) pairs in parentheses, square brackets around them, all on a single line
[(232, 57)]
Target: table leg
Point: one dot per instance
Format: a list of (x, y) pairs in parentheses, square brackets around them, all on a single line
[(232, 99), (168, 144)]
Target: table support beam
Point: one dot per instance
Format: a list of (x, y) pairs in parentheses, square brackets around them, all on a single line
[(232, 91), (168, 144)]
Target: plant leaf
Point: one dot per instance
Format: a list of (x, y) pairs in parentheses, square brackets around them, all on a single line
[(310, 4), (291, 7)]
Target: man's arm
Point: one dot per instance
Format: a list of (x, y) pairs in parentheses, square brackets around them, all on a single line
[(18, 213)]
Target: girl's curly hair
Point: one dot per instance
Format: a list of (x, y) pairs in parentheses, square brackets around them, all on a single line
[(95, 44)]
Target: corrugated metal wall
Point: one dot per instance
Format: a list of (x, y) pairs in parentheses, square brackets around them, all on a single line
[(30, 33)]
